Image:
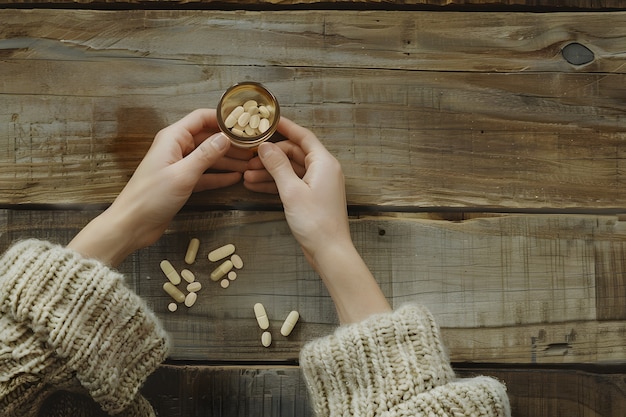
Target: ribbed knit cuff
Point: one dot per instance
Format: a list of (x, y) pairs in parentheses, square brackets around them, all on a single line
[(374, 365), (87, 315)]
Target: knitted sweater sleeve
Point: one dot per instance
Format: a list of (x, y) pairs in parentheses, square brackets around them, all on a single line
[(66, 315), (394, 365)]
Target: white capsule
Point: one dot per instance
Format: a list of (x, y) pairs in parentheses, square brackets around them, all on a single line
[(194, 287), (170, 272), (190, 299), (253, 110), (187, 275), (264, 111), (254, 121), (261, 316), (243, 119), (221, 270), (174, 292), (250, 131), (231, 120), (249, 104), (221, 252), (237, 261), (172, 307), (192, 251), (232, 275), (238, 132), (224, 283), (264, 124), (289, 323), (266, 339)]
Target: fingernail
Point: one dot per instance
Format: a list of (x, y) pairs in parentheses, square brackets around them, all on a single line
[(265, 149), (219, 141)]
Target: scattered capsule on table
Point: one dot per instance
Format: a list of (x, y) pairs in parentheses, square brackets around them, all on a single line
[(172, 307), (266, 339), (174, 292), (222, 270), (187, 275), (190, 299), (289, 323), (170, 272), (224, 283), (237, 261), (221, 252), (192, 251), (261, 316), (194, 287)]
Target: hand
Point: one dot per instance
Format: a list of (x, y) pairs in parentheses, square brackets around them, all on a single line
[(310, 183), (173, 168)]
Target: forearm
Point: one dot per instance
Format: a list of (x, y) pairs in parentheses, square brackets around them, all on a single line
[(350, 283), (104, 238)]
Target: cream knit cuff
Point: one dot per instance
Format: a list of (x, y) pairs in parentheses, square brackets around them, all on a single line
[(87, 315), (394, 365)]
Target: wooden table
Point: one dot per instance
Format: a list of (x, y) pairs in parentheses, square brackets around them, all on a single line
[(485, 162)]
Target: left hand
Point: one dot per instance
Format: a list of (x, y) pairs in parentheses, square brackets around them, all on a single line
[(174, 167)]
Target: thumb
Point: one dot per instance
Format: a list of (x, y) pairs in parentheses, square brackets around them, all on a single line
[(207, 153), (277, 164)]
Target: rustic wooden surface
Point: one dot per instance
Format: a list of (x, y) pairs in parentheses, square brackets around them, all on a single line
[(485, 178), (532, 5), (421, 112), (523, 289), (280, 391)]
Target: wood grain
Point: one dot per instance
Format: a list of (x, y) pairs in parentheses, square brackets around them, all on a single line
[(420, 111), (506, 289), (176, 390), (541, 5)]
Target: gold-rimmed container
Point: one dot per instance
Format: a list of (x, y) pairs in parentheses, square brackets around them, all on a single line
[(238, 95)]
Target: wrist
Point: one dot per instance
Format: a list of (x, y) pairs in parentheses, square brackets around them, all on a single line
[(104, 238), (353, 288)]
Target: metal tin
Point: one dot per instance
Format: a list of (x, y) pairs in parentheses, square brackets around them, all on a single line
[(238, 94)]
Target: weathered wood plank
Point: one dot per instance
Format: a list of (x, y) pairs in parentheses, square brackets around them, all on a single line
[(539, 5), (508, 289), (421, 111), (280, 391)]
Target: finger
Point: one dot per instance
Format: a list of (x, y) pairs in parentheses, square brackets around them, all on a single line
[(198, 121), (261, 187), (206, 154), (213, 181), (262, 175), (278, 165), (293, 152), (230, 164), (301, 136)]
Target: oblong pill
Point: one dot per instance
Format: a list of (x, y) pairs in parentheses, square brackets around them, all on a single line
[(221, 252), (244, 119), (264, 124), (190, 299), (264, 112), (249, 104), (174, 292), (266, 339), (261, 316), (187, 275), (192, 251), (170, 272), (221, 270), (194, 287), (289, 323), (237, 261)]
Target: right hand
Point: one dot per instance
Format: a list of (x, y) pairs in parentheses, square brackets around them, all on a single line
[(310, 183)]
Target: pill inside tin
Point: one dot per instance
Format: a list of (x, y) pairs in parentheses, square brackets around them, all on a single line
[(248, 114)]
